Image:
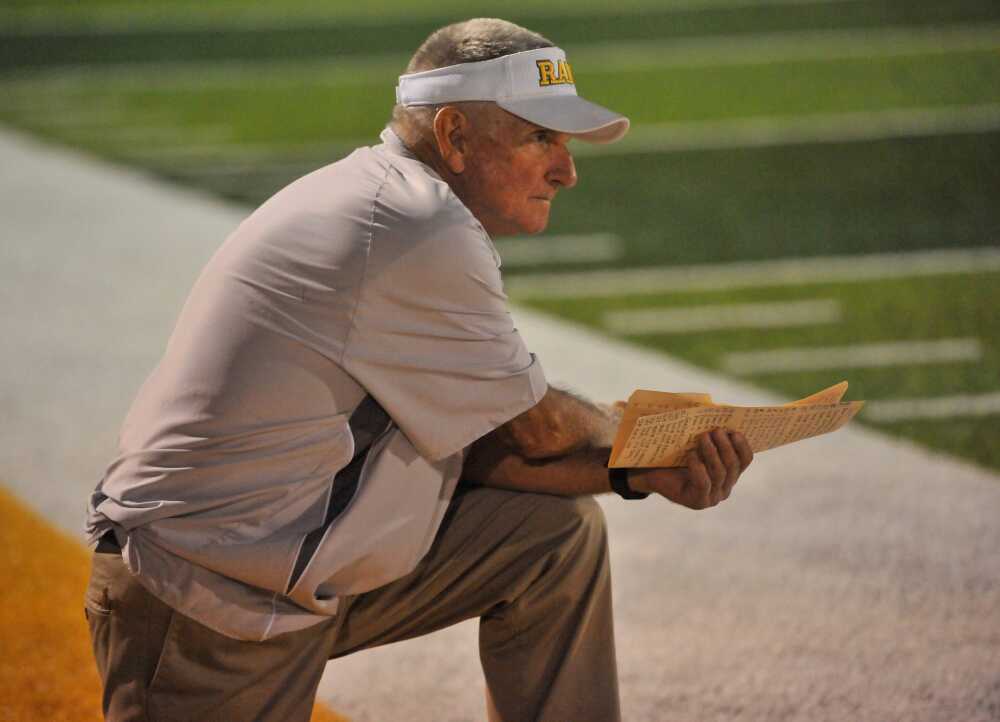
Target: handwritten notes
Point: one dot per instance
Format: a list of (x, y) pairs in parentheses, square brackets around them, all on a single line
[(659, 428)]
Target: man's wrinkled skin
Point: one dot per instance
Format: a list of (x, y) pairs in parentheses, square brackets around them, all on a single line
[(506, 170)]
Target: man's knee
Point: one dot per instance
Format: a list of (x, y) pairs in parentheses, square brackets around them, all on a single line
[(578, 524), (570, 565)]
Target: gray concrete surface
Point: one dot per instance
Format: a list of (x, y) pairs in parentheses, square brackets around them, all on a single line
[(852, 577)]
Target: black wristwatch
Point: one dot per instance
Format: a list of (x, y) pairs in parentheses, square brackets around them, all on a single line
[(619, 482)]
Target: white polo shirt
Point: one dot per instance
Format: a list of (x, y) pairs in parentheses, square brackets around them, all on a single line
[(367, 276)]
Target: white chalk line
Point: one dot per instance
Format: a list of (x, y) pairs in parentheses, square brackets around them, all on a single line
[(872, 355), (802, 130), (932, 408), (164, 136), (591, 248), (722, 316), (756, 274)]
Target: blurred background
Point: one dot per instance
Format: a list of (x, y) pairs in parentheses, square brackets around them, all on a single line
[(769, 137), (810, 192)]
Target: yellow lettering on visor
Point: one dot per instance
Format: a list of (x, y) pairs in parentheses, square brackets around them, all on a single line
[(551, 74)]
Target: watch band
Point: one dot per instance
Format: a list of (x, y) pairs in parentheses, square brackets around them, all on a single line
[(619, 482)]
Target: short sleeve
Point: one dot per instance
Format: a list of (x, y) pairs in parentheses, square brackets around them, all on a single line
[(432, 338)]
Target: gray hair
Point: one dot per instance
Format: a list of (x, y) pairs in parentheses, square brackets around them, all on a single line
[(470, 41)]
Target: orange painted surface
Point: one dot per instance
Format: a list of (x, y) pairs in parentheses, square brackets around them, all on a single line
[(46, 671)]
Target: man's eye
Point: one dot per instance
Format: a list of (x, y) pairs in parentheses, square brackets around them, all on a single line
[(543, 136)]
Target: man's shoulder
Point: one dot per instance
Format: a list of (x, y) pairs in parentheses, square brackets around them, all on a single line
[(356, 178), (414, 194), (374, 201), (374, 181)]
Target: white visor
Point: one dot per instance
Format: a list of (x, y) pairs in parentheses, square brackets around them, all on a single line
[(536, 85)]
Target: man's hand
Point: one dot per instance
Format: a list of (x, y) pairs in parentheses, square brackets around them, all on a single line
[(713, 467)]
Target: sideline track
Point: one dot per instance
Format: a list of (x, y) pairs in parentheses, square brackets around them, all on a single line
[(851, 572)]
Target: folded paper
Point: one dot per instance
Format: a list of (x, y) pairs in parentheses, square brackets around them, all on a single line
[(659, 428)]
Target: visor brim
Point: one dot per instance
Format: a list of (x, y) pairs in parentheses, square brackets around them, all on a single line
[(570, 114)]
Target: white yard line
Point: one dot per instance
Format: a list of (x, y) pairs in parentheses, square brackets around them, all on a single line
[(165, 137), (891, 353), (756, 274), (722, 316), (800, 130), (940, 407), (99, 118), (590, 248)]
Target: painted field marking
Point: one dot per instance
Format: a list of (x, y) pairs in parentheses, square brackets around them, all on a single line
[(102, 118), (801, 130), (941, 407), (889, 353), (755, 274), (163, 135), (589, 248), (722, 316)]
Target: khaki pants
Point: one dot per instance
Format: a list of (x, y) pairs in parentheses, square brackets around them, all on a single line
[(532, 567)]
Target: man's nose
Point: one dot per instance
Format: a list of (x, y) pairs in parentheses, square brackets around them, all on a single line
[(563, 169)]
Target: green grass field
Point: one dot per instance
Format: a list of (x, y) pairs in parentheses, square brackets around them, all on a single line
[(401, 20), (768, 130)]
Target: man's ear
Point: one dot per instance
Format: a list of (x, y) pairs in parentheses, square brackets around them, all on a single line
[(451, 131)]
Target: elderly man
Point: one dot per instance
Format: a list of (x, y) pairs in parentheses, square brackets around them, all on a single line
[(288, 484)]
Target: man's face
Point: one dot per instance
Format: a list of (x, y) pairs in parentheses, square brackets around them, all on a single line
[(513, 170)]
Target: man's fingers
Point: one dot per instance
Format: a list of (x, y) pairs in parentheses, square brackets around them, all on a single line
[(730, 458), (710, 456), (699, 484), (714, 466), (743, 450)]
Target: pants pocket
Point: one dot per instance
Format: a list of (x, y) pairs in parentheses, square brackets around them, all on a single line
[(97, 598), (97, 608)]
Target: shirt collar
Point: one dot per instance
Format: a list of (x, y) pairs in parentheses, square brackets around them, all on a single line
[(394, 143)]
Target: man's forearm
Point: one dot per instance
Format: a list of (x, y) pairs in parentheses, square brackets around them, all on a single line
[(492, 463), (559, 446), (559, 424)]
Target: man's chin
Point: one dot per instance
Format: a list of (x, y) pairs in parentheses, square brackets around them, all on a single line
[(521, 227), (534, 226)]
